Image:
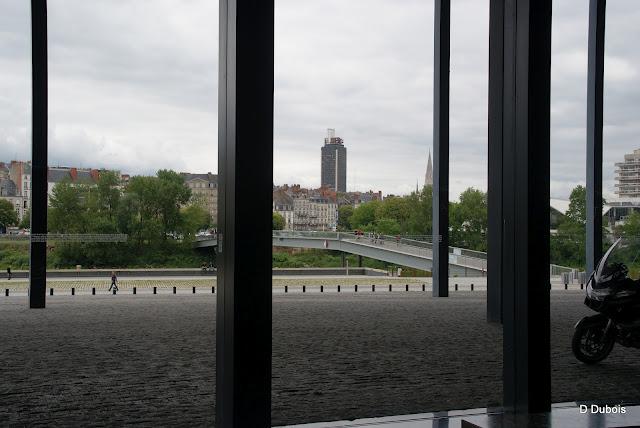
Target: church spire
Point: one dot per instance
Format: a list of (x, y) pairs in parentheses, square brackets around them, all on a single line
[(428, 177)]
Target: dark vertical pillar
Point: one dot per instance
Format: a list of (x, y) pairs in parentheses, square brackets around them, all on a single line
[(38, 247), (359, 261), (494, 193), (595, 83), (525, 205), (441, 149), (245, 162)]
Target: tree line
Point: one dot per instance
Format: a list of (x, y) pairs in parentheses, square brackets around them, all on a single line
[(158, 213), (412, 215)]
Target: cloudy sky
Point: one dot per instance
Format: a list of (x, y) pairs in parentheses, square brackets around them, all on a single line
[(133, 86)]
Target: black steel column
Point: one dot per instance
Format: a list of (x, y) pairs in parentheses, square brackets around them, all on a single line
[(38, 250), (525, 205), (245, 162), (494, 193), (595, 82), (441, 149)]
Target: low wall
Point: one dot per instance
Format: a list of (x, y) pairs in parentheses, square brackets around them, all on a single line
[(329, 271), (86, 273), (123, 273)]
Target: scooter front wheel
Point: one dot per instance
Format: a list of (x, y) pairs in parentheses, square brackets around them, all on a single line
[(592, 342)]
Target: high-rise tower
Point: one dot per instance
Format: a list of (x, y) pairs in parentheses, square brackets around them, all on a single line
[(334, 163)]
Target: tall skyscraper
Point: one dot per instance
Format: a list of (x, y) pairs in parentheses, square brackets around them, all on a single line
[(628, 176), (428, 176), (334, 163)]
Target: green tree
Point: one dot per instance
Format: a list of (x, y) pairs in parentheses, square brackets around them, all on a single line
[(631, 226), (577, 212), (141, 209), (195, 217), (468, 220), (344, 217), (364, 216), (568, 246), (172, 195), (8, 216), (394, 208), (108, 194), (278, 221), (67, 208), (388, 226), (420, 211)]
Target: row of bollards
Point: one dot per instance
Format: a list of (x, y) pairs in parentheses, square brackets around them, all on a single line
[(373, 288), (114, 292), (566, 286), (286, 289)]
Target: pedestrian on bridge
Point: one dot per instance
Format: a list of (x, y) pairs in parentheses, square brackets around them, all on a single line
[(114, 281), (9, 273)]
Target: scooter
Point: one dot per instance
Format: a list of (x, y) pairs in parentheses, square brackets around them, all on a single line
[(616, 297)]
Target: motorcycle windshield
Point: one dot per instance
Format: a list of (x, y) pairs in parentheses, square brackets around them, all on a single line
[(618, 261)]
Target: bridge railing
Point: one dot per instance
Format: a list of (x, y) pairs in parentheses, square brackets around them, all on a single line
[(306, 234), (420, 246)]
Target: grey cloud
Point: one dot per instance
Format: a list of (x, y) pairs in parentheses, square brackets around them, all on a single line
[(134, 86)]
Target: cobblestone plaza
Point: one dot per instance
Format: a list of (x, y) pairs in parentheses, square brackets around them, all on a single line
[(150, 360)]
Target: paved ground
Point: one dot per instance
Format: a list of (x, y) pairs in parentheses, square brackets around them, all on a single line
[(113, 360)]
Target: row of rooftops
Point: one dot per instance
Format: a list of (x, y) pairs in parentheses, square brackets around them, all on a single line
[(285, 194)]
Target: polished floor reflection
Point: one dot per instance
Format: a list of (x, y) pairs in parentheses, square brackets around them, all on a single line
[(561, 416)]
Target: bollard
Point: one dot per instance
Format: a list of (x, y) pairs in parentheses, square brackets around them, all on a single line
[(51, 292), (213, 289), (155, 290), (93, 291), (355, 288), (114, 291), (472, 286), (304, 288), (389, 287), (373, 288), (456, 287), (174, 290), (322, 288), (286, 288), (423, 287), (134, 290), (338, 288), (566, 286), (6, 292), (194, 290), (73, 291), (406, 287), (581, 286)]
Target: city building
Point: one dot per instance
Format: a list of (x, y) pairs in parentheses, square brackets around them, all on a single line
[(628, 176), (315, 213), (20, 174), (617, 211), (74, 176), (20, 205), (204, 189), (283, 205), (357, 198), (334, 163)]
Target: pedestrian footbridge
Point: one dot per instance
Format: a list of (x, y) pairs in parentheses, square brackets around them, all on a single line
[(412, 253)]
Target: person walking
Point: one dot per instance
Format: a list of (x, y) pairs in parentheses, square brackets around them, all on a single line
[(9, 273), (114, 281)]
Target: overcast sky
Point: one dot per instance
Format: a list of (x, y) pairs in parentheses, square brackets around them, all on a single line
[(133, 86)]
